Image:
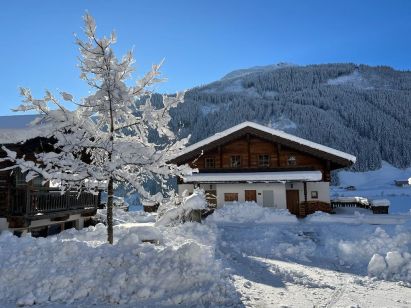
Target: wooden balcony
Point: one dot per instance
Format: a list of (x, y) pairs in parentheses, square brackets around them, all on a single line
[(48, 203)]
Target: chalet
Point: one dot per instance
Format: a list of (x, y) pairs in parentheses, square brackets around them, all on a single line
[(251, 162), (34, 206)]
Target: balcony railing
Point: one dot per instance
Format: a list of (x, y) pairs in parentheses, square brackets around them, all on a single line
[(30, 202)]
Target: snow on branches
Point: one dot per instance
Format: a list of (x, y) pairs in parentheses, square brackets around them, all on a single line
[(106, 138)]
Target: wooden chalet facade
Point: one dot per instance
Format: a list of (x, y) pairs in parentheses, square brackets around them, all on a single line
[(251, 162), (33, 206)]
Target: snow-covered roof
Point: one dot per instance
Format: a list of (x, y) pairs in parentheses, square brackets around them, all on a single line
[(16, 128), (309, 176), (273, 132)]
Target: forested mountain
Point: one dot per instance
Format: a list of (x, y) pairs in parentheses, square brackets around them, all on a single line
[(362, 110)]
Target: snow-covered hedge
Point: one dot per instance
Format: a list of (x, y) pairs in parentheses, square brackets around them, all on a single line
[(243, 212), (172, 213), (78, 267), (394, 266)]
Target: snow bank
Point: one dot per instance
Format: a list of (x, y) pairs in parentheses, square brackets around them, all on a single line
[(394, 266), (357, 216), (247, 212), (78, 267), (120, 216)]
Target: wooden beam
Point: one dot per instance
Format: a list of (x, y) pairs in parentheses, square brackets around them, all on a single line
[(248, 151), (220, 154), (305, 191), (278, 155)]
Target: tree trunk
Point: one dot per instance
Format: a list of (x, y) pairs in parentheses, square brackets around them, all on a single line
[(110, 192)]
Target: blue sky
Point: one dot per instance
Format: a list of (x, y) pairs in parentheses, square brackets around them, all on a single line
[(201, 41)]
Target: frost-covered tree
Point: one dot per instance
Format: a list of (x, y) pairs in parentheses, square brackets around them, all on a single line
[(108, 138)]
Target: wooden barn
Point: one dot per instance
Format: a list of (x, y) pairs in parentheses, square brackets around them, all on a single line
[(33, 206), (251, 162)]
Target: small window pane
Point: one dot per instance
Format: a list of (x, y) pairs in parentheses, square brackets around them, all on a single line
[(264, 160), (314, 194), (210, 162), (292, 161), (235, 161)]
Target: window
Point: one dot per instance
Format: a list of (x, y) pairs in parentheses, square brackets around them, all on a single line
[(263, 160), (314, 194), (210, 162), (291, 161), (235, 161), (230, 197)]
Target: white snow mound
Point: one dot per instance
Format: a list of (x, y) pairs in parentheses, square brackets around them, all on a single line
[(80, 268), (244, 212)]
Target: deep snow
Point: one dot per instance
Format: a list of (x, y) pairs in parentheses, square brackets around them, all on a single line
[(242, 255)]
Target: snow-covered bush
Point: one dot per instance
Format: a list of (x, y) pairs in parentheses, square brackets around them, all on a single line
[(394, 266), (178, 211)]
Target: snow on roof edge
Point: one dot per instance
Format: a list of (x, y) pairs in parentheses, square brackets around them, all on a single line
[(310, 176), (271, 131)]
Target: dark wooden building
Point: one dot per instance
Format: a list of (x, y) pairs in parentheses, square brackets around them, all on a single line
[(251, 162), (35, 206)]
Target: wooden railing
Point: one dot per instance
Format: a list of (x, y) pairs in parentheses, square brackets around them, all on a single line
[(48, 200)]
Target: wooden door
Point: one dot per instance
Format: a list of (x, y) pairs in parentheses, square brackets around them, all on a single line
[(251, 195), (293, 201)]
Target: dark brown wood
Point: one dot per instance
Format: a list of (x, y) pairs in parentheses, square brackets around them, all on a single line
[(220, 155), (228, 197), (305, 191), (251, 195), (278, 155), (238, 140), (311, 207), (60, 218), (248, 151), (293, 201)]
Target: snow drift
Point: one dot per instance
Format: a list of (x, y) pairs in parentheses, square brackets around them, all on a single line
[(79, 267), (246, 212)]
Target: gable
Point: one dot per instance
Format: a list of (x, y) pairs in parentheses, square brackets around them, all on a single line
[(250, 149), (262, 138)]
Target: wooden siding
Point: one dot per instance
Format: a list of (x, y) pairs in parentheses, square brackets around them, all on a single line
[(21, 202), (248, 133), (249, 148)]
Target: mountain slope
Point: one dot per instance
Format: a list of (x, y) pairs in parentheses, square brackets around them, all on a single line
[(362, 110)]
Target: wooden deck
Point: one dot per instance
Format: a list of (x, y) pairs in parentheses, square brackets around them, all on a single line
[(28, 205)]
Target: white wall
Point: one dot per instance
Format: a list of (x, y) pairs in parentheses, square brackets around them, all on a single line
[(323, 189), (277, 188)]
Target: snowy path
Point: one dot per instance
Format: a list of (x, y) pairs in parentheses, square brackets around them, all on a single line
[(264, 281)]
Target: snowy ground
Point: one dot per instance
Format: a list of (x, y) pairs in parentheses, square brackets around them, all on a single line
[(378, 184), (316, 264), (242, 255)]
